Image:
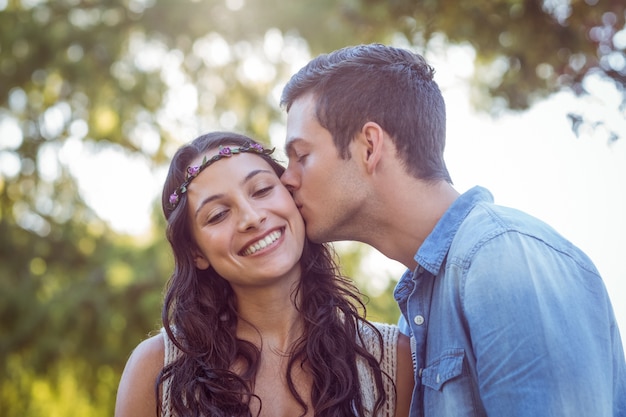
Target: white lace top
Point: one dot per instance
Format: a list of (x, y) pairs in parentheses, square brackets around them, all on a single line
[(388, 364)]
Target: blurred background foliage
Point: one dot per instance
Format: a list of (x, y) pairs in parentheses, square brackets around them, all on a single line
[(140, 76)]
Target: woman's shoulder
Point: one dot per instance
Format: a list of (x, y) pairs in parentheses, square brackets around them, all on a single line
[(152, 347), (392, 337), (389, 332), (136, 395), (397, 363), (148, 356), (385, 327), (369, 332)]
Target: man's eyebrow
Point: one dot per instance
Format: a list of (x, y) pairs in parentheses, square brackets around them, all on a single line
[(214, 197), (290, 143)]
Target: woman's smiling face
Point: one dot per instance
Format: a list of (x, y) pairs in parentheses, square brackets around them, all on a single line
[(244, 221)]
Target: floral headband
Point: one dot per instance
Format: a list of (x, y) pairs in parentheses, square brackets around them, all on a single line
[(224, 152)]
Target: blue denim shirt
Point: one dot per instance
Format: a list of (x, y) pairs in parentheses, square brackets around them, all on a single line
[(507, 318)]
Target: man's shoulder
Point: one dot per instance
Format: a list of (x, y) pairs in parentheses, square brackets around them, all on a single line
[(506, 227), (487, 220)]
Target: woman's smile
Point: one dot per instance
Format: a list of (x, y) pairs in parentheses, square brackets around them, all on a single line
[(262, 243)]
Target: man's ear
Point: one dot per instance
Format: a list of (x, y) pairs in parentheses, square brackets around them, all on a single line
[(200, 260), (372, 137)]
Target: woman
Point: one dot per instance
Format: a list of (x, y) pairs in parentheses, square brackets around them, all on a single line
[(257, 320)]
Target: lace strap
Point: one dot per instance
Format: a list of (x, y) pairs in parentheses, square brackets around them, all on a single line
[(171, 353), (388, 364)]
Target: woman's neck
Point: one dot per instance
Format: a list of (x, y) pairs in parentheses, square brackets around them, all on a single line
[(268, 318)]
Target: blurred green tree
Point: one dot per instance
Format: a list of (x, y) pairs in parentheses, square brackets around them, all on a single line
[(141, 76)]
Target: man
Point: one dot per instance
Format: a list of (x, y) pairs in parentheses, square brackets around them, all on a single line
[(506, 317)]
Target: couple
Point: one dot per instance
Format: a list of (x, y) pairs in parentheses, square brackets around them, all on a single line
[(503, 316)]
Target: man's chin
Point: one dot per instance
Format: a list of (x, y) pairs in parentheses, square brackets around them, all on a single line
[(314, 235)]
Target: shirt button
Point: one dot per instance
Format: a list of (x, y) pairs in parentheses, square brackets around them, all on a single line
[(419, 320)]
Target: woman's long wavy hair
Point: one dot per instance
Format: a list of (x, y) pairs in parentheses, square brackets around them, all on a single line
[(200, 317)]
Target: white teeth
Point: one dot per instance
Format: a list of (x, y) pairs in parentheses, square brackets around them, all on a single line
[(267, 240)]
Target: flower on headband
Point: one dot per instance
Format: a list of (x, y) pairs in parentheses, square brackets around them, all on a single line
[(193, 171), (173, 199), (256, 147), (225, 151)]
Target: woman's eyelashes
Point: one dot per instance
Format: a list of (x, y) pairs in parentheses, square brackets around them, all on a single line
[(216, 216), (263, 191)]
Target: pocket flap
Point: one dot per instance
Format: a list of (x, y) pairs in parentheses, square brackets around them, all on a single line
[(449, 365)]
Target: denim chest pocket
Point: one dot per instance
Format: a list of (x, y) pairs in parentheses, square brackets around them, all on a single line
[(450, 391), (447, 367)]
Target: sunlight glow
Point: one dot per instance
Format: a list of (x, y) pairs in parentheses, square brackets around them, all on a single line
[(47, 162), (11, 136), (145, 136), (120, 188), (54, 119), (235, 5), (9, 164), (273, 44), (256, 69), (148, 55), (213, 50)]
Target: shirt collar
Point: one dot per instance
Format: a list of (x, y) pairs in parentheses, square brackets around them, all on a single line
[(434, 249)]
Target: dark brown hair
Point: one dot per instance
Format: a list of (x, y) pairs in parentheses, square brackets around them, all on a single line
[(200, 317), (390, 86)]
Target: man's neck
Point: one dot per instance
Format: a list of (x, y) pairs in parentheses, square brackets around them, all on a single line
[(406, 215)]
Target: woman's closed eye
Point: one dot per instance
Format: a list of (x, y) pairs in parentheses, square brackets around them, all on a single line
[(216, 216), (263, 191)]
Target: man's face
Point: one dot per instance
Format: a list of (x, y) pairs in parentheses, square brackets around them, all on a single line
[(323, 184)]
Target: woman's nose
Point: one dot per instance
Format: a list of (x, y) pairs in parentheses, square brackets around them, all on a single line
[(251, 217)]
